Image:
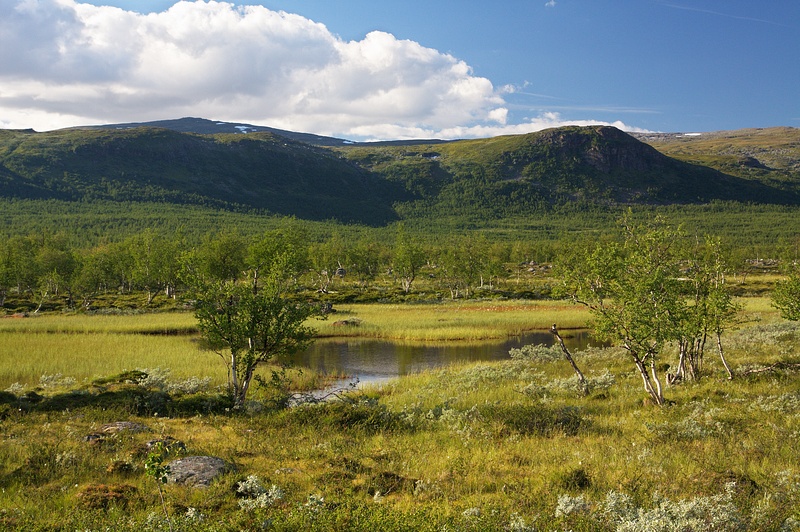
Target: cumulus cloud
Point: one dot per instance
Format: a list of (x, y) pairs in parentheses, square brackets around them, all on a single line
[(63, 63)]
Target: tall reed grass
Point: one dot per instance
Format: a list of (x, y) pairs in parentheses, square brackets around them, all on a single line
[(145, 323), (25, 357), (474, 320)]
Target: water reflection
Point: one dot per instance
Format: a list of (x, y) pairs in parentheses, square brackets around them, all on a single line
[(378, 360)]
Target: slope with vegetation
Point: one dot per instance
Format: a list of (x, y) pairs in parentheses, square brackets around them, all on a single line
[(518, 444), (470, 181), (517, 174), (768, 155), (256, 171)]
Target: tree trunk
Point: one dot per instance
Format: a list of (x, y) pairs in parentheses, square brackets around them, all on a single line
[(722, 356), (680, 373), (655, 393), (406, 284), (234, 376), (241, 394), (44, 297), (660, 392), (568, 355)]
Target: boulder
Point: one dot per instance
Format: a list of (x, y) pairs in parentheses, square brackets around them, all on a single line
[(197, 471), (110, 429)]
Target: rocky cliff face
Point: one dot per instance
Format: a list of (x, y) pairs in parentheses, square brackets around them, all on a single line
[(603, 148)]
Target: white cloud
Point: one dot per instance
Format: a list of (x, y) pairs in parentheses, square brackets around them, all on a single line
[(63, 63)]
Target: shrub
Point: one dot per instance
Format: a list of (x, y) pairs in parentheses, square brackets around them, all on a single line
[(568, 505), (255, 496), (360, 414), (716, 512), (159, 379), (537, 353), (537, 419), (102, 496)]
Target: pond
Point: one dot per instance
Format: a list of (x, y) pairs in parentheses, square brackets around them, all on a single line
[(372, 361)]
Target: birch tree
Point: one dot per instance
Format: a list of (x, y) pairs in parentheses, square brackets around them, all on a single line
[(632, 289), (247, 318)]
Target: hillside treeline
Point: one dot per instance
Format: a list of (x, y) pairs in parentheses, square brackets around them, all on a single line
[(45, 270)]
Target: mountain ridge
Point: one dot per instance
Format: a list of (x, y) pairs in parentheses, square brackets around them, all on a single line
[(254, 167), (204, 126)]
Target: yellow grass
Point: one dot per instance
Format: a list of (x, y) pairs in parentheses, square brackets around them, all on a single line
[(472, 320), (25, 357), (153, 323), (84, 347)]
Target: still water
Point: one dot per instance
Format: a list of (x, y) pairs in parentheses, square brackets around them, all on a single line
[(371, 361)]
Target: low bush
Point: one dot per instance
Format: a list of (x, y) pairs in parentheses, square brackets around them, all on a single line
[(537, 419), (355, 413)]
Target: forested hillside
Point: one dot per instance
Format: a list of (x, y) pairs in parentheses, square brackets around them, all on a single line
[(511, 175), (470, 182), (256, 171)]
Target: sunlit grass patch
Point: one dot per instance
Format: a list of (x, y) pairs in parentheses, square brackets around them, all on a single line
[(475, 320), (463, 447), (25, 356), (758, 309), (167, 323)]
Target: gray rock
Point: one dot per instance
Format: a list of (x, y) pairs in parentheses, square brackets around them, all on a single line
[(110, 429), (197, 471), (121, 426)]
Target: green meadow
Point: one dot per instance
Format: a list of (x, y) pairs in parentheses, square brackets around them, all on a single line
[(509, 445)]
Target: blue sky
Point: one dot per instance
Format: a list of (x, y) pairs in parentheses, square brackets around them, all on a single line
[(374, 70)]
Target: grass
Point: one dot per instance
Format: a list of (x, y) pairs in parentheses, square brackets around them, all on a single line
[(450, 321), (166, 323), (468, 447), (25, 357), (84, 347)]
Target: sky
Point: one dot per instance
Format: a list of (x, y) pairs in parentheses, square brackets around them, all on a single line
[(371, 70)]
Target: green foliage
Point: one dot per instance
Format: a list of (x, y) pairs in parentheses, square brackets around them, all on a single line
[(155, 468), (786, 296), (246, 312), (407, 259), (154, 464), (641, 299)]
